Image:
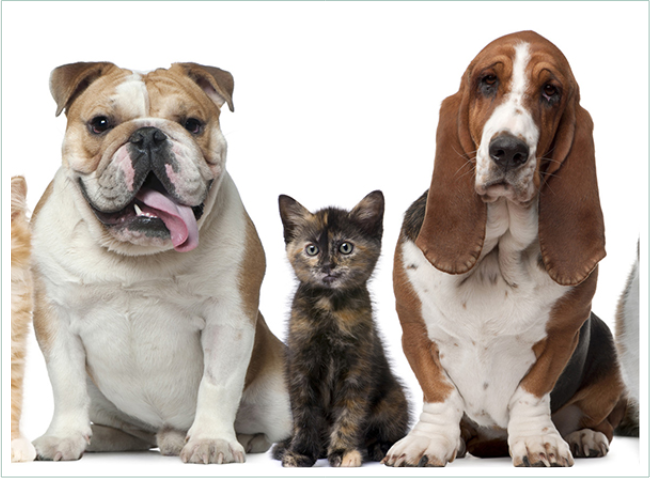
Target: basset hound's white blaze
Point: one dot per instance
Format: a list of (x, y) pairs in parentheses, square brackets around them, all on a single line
[(514, 118)]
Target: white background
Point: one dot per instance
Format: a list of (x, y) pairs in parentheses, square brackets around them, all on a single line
[(333, 100)]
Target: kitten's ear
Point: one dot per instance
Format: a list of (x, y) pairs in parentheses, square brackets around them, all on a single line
[(293, 214), (369, 213)]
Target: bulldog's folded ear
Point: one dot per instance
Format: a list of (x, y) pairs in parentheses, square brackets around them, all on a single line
[(218, 84), (69, 81)]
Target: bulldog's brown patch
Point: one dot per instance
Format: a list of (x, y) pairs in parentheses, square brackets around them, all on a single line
[(268, 352), (251, 271), (42, 201)]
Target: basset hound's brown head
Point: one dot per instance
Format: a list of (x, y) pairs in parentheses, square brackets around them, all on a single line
[(515, 130)]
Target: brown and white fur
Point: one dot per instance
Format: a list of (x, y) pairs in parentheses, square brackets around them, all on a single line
[(496, 268), (627, 344), (154, 338), (22, 303)]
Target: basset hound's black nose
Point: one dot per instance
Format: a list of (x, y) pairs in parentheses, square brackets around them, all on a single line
[(508, 152)]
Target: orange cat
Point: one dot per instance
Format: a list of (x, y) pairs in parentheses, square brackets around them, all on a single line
[(21, 313)]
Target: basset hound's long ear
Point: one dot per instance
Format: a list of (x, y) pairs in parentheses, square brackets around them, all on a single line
[(571, 227), (453, 230), (67, 82)]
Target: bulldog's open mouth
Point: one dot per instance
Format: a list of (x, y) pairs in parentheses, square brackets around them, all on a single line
[(154, 213)]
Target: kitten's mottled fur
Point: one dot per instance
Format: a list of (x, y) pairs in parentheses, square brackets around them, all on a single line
[(21, 313), (346, 403)]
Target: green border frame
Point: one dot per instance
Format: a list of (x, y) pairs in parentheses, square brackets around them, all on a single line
[(8, 6)]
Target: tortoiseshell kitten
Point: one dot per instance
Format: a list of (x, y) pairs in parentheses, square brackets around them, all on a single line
[(347, 405)]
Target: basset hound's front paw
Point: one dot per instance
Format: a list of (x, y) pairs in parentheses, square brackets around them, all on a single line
[(588, 444), (543, 450)]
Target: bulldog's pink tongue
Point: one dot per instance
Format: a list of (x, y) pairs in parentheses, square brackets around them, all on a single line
[(178, 219)]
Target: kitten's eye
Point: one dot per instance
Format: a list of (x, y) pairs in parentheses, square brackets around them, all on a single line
[(346, 248), (311, 250)]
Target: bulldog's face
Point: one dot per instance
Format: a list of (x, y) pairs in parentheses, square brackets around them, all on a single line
[(144, 150)]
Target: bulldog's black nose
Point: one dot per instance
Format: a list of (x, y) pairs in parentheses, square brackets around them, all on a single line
[(148, 139), (508, 151)]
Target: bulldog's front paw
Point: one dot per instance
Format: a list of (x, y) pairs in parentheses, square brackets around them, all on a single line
[(420, 450), (540, 450), (61, 448), (588, 443), (22, 450), (206, 450)]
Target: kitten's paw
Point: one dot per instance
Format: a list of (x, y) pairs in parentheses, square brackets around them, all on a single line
[(421, 450), (345, 458), (257, 443), (22, 450), (56, 448), (587, 443), (540, 450), (207, 450), (291, 459)]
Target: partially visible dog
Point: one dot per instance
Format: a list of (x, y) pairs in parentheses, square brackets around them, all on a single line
[(627, 343), (148, 272), (496, 268), (22, 303)]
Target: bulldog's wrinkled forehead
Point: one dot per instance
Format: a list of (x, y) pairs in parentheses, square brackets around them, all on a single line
[(133, 94), (172, 92)]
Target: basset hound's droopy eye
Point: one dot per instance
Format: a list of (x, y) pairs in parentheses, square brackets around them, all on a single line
[(550, 93), (488, 84)]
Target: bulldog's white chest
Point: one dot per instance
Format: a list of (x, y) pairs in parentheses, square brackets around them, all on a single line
[(485, 323), (139, 319), (142, 344)]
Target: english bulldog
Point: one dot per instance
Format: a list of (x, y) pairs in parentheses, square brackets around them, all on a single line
[(148, 272)]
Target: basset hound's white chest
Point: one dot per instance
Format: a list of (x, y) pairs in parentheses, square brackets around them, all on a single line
[(486, 322)]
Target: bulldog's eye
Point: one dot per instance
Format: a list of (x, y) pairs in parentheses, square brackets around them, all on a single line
[(311, 249), (193, 125), (346, 248), (99, 125)]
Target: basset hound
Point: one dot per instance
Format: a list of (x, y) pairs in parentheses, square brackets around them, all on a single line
[(496, 268)]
